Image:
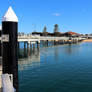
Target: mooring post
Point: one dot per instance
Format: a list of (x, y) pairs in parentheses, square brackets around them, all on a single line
[(37, 45), (9, 39), (24, 48), (24, 45), (33, 46), (28, 48), (54, 42), (27, 45), (44, 43), (0, 40)]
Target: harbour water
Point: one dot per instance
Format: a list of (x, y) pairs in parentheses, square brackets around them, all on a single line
[(62, 68)]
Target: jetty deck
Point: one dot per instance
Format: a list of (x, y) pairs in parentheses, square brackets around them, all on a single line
[(37, 38)]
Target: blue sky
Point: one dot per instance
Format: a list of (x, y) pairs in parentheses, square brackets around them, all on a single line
[(74, 15)]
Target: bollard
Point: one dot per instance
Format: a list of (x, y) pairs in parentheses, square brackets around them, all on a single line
[(0, 40), (9, 39), (38, 45), (28, 48), (24, 49), (33, 46), (54, 42), (24, 45)]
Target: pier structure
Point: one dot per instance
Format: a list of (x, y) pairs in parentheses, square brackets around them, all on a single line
[(35, 40), (31, 41)]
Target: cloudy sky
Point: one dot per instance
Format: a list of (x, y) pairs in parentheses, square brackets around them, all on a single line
[(74, 15)]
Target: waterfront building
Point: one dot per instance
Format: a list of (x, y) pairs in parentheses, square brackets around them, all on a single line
[(72, 34)]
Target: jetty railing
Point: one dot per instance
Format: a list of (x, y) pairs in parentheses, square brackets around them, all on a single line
[(39, 38)]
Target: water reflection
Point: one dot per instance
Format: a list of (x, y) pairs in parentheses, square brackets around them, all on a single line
[(31, 58), (71, 49), (26, 59), (56, 53)]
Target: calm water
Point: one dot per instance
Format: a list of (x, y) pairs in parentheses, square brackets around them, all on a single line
[(65, 68)]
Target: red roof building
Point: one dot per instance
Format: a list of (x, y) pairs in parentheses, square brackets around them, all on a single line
[(70, 33)]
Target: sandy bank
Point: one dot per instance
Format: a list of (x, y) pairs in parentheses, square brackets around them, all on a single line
[(87, 40)]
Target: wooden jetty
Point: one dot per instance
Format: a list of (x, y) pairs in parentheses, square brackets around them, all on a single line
[(36, 39)]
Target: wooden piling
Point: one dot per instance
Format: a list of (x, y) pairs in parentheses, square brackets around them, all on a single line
[(28, 48)]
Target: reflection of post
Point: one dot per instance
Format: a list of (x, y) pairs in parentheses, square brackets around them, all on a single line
[(9, 38), (33, 47), (56, 53), (47, 42), (38, 53), (58, 42), (69, 49), (33, 59), (62, 41), (43, 43)]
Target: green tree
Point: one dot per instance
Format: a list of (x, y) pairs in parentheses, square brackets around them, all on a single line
[(45, 31), (56, 29)]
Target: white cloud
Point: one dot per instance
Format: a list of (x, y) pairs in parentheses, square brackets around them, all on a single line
[(56, 14)]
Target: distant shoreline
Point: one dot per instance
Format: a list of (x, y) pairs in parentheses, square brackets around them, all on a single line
[(87, 40)]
